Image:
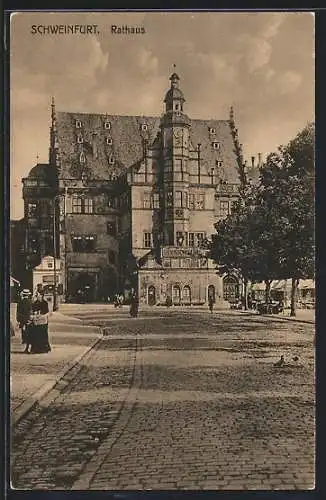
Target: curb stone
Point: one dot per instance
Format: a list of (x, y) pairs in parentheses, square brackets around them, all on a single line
[(275, 316), (49, 386)]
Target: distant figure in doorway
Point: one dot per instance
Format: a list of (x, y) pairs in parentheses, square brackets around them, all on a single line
[(210, 304), (134, 304), (39, 335), (23, 316)]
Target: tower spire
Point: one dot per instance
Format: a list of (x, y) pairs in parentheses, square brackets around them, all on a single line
[(53, 150)]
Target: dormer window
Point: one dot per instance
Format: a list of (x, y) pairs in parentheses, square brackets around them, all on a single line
[(111, 160), (78, 124), (144, 127), (80, 139), (107, 125), (219, 163), (216, 145), (109, 141), (212, 131), (82, 158)]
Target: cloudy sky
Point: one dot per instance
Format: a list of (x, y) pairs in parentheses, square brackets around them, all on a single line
[(261, 63)]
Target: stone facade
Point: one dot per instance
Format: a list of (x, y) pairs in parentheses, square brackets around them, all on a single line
[(132, 199)]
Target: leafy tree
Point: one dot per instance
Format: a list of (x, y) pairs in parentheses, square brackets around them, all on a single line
[(286, 195)]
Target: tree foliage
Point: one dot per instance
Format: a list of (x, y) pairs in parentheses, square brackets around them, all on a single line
[(270, 233)]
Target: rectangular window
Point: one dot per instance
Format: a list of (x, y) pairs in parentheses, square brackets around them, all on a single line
[(177, 165), (82, 205), (83, 244), (76, 205), (180, 238), (32, 209), (191, 239), (147, 200), (191, 201), (178, 199), (147, 240), (169, 199), (200, 238), (156, 200), (111, 228), (224, 208), (200, 201), (88, 205)]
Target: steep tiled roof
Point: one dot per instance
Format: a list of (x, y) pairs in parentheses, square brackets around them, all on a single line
[(125, 132), (127, 146), (199, 134)]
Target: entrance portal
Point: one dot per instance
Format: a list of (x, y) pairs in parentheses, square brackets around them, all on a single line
[(151, 296), (82, 287), (230, 288)]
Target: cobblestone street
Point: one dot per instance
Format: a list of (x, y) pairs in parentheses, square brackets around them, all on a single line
[(191, 401)]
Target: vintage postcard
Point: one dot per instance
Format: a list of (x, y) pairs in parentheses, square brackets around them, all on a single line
[(162, 286)]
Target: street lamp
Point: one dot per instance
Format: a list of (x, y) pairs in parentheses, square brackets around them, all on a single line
[(55, 295)]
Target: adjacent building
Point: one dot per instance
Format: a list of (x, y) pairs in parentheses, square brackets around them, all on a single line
[(127, 202)]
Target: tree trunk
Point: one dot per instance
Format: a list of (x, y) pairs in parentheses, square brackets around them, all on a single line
[(267, 290), (245, 293), (294, 289)]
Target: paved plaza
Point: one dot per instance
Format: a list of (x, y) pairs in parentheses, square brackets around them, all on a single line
[(174, 400)]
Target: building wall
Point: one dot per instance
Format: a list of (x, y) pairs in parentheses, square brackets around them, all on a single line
[(165, 279)]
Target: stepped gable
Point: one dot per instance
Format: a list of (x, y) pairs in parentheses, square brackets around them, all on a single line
[(199, 134)]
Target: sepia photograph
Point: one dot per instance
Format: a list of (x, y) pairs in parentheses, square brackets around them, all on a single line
[(162, 250)]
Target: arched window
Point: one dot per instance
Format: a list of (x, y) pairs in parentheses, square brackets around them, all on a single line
[(151, 295), (211, 293), (186, 295), (176, 295), (231, 288)]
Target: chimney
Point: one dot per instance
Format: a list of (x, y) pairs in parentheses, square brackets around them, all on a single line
[(259, 159), (253, 161)]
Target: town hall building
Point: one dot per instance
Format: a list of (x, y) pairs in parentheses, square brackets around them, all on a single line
[(127, 203)]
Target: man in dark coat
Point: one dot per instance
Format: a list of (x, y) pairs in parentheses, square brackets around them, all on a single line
[(24, 311)]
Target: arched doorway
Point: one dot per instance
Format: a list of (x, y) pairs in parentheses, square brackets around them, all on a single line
[(176, 295), (83, 287), (230, 288), (186, 295), (151, 295), (211, 293)]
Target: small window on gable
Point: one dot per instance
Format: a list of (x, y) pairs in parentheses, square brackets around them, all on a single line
[(82, 158), (107, 125), (111, 160), (212, 131), (144, 127), (219, 163), (177, 106), (80, 139), (216, 145), (109, 141), (78, 124)]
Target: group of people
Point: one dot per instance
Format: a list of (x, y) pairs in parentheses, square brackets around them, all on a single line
[(32, 318)]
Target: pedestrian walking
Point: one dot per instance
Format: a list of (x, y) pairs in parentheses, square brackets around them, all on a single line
[(210, 304), (38, 331), (23, 315), (134, 304)]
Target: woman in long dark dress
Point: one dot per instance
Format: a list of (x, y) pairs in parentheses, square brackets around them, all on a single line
[(24, 311), (39, 336)]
